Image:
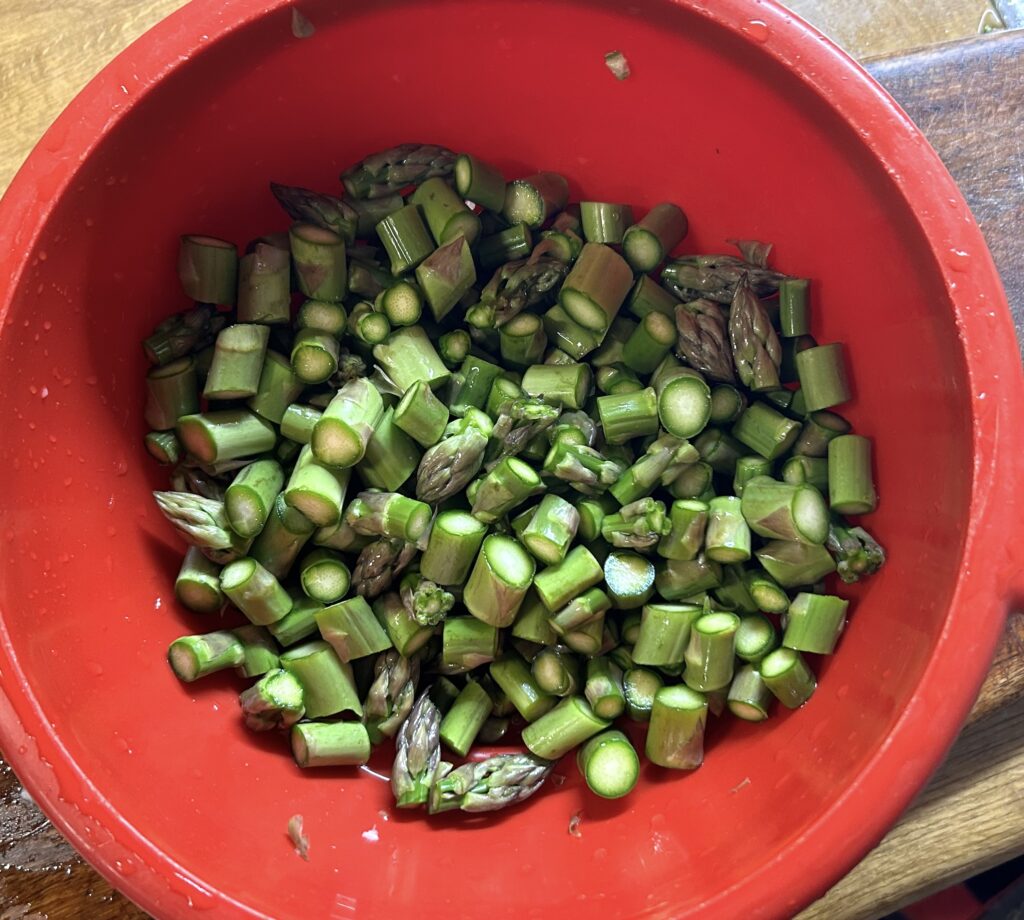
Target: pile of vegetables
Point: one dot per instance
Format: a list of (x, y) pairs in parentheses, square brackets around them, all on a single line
[(474, 463)]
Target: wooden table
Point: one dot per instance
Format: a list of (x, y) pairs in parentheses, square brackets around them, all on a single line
[(968, 97)]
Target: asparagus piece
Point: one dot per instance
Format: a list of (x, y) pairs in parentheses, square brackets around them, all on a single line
[(558, 584), (783, 511), (163, 446), (585, 469), (628, 415), (225, 434), (568, 335), (646, 244), (756, 350), (814, 623), (472, 384), (274, 702), (727, 404), (298, 624), (516, 286), (684, 405), (278, 388), (452, 547), (282, 539), (171, 392), (748, 696), (351, 629), (664, 458), (421, 415), (765, 431), (594, 290), (532, 623), (649, 343), (182, 334), (678, 579), (454, 346), (748, 468), (208, 269), (519, 422), (856, 552), (499, 581), (523, 340), (448, 466), (314, 357), (555, 672), (203, 523), (629, 578), (479, 182), (590, 639), (391, 695), (755, 638), (823, 377), (487, 785), (324, 576), (604, 222), (603, 688), (392, 170), (379, 564), (716, 277), (609, 764), (664, 633), (648, 296), (532, 200), (463, 721), (786, 675), (249, 500), (580, 610), (702, 339), (551, 529), (446, 214), (328, 686), (427, 602), (765, 592), (388, 514), (675, 736), (401, 302), (405, 239), (727, 538), (810, 470), (318, 257), (793, 564), (330, 744), (639, 525), (507, 485), (324, 211), (297, 422), (687, 523), (341, 434), (391, 456), (561, 729), (719, 450), (417, 754), (255, 591), (614, 380), (316, 490), (508, 245), (851, 489), (820, 429), (197, 585), (446, 275), (192, 657), (467, 643), (264, 278), (237, 362)]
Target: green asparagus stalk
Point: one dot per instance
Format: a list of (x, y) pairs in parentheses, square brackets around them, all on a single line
[(379, 564), (171, 392), (282, 538), (756, 350), (639, 525), (388, 171), (628, 415), (324, 576), (675, 736), (463, 721), (351, 629), (533, 199), (581, 610), (507, 485), (555, 672), (182, 334), (163, 446), (512, 674), (664, 458), (388, 514), (249, 500), (298, 421), (551, 529), (298, 624), (341, 434), (786, 675), (324, 211), (454, 347), (406, 634), (823, 377), (820, 429), (727, 538), (558, 584), (467, 643), (203, 523), (274, 702), (330, 744), (793, 564), (225, 434), (629, 578), (561, 729), (664, 634), (255, 591), (814, 623), (479, 182), (427, 602), (264, 278), (569, 336), (208, 269), (585, 469), (533, 623), (197, 585), (702, 339), (487, 785), (499, 581), (603, 688), (749, 697), (856, 552), (594, 290), (391, 695), (688, 520), (318, 257), (765, 431), (851, 489), (391, 456), (278, 389), (417, 754), (677, 579), (783, 511), (315, 490), (716, 277), (446, 275), (421, 415), (192, 657), (328, 686)]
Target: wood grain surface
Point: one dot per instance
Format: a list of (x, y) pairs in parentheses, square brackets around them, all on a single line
[(969, 98)]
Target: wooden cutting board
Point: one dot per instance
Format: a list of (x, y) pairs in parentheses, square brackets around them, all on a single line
[(968, 97)]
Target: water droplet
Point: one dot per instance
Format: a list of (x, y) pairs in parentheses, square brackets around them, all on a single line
[(600, 853), (47, 325), (959, 260), (759, 31), (42, 255), (95, 668), (842, 692), (121, 465)]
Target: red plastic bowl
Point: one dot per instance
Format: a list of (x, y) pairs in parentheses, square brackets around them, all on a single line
[(755, 124)]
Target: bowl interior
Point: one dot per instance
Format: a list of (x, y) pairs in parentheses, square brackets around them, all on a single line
[(707, 120)]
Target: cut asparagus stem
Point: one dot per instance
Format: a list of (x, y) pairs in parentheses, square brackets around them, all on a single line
[(786, 675), (748, 697), (688, 519), (591, 516), (467, 643), (533, 622), (709, 654), (192, 657), (479, 182), (794, 315), (580, 610), (324, 576), (452, 547), (318, 257), (557, 732), (765, 431), (298, 421), (446, 275), (417, 754), (719, 450), (351, 629), (341, 434), (746, 469), (315, 490), (727, 538), (203, 523), (555, 671), (794, 564), (391, 456), (649, 241), (237, 362), (330, 744), (298, 623), (260, 651), (640, 686), (609, 764), (487, 785), (765, 592), (406, 635), (675, 736), (588, 639), (172, 391), (595, 288), (532, 200), (558, 584), (856, 552), (823, 377), (505, 487), (603, 222), (639, 525), (471, 385), (814, 623), (507, 245), (790, 349), (693, 482), (314, 357), (255, 591), (603, 688), (208, 269), (421, 415), (615, 379), (328, 686), (408, 355), (677, 579), (629, 415), (664, 633), (454, 347), (568, 335), (401, 303), (272, 703), (851, 489), (445, 212), (648, 296), (755, 638), (405, 238), (812, 471), (264, 279), (684, 405), (566, 385), (523, 340), (463, 721), (368, 327), (163, 446), (512, 674), (388, 514), (629, 578), (225, 434), (281, 539), (783, 511), (249, 500), (323, 315), (649, 343), (551, 529), (820, 429), (278, 388), (727, 404), (197, 585), (499, 581)]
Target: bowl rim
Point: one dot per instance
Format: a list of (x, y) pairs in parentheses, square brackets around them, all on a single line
[(992, 572)]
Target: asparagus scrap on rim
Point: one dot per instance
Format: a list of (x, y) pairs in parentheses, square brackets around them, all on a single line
[(459, 463)]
